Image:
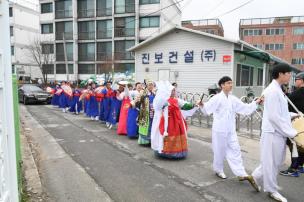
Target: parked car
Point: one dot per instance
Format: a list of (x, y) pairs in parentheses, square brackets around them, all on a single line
[(29, 93)]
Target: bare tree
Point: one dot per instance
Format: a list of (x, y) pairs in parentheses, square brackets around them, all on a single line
[(41, 57)]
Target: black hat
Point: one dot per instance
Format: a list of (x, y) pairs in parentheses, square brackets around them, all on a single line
[(300, 75)]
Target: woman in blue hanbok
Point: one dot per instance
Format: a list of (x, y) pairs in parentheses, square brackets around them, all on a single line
[(115, 106), (132, 127), (106, 103), (76, 103), (56, 95)]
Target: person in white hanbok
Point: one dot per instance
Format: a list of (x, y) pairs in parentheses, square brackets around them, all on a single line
[(276, 128), (224, 107)]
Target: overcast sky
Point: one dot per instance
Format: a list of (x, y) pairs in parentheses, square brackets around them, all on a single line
[(203, 9)]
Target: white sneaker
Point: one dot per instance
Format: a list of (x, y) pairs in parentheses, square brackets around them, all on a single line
[(63, 110), (221, 175), (76, 113), (110, 126), (96, 118), (107, 124), (92, 118), (278, 197)]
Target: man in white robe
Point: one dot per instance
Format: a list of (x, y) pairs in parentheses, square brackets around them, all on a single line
[(276, 128), (224, 107)]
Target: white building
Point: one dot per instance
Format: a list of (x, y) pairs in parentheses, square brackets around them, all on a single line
[(98, 32), (197, 60), (24, 28)]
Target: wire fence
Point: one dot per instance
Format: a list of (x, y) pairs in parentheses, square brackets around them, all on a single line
[(246, 125)]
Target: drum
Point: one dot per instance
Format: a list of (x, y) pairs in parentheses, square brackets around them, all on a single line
[(298, 124)]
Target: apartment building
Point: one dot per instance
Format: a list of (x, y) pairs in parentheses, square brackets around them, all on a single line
[(281, 36), (24, 29), (211, 26), (90, 37)]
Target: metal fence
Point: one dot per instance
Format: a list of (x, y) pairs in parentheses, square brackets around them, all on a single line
[(248, 125)]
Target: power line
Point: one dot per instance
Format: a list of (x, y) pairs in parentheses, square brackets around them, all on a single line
[(214, 8), (230, 11)]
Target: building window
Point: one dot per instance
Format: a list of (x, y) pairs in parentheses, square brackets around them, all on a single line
[(46, 28), (86, 68), (47, 8), (124, 6), (12, 50), (60, 69), (252, 32), (298, 31), (47, 48), (13, 69), (143, 2), (48, 68), (104, 51), (60, 51), (104, 29), (124, 27), (86, 30), (85, 8), (11, 12), (260, 77), (121, 52), (244, 75), (124, 68), (152, 21), (275, 31), (260, 46), (298, 46), (86, 51), (297, 61), (64, 28), (11, 31), (273, 46), (63, 9), (104, 8)]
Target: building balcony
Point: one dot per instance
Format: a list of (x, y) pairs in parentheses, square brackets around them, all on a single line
[(123, 56), (124, 32), (86, 57), (86, 13), (107, 34), (67, 35), (60, 14), (103, 12), (103, 56), (86, 35)]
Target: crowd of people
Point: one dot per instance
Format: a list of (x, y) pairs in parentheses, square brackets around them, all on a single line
[(154, 115)]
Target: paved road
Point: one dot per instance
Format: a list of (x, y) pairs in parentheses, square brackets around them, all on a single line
[(128, 172)]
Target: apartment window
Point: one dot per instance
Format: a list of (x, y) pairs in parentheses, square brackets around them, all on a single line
[(275, 31), (63, 9), (104, 7), (253, 32), (273, 46), (244, 75), (298, 31), (105, 69), (46, 28), (125, 68), (11, 12), (260, 77), (124, 27), (297, 61), (298, 46), (47, 8), (86, 30), (12, 50), (48, 68), (121, 52), (86, 51), (86, 68), (64, 28), (104, 51), (60, 51), (152, 21), (13, 69), (124, 6), (11, 31), (260, 46), (143, 2), (104, 29), (47, 48), (86, 8)]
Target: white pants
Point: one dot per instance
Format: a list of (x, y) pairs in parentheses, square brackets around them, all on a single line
[(273, 148), (226, 145)]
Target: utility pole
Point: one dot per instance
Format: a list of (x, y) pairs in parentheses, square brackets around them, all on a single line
[(65, 58), (8, 165)]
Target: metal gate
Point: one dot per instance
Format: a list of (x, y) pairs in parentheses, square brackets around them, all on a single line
[(8, 170)]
